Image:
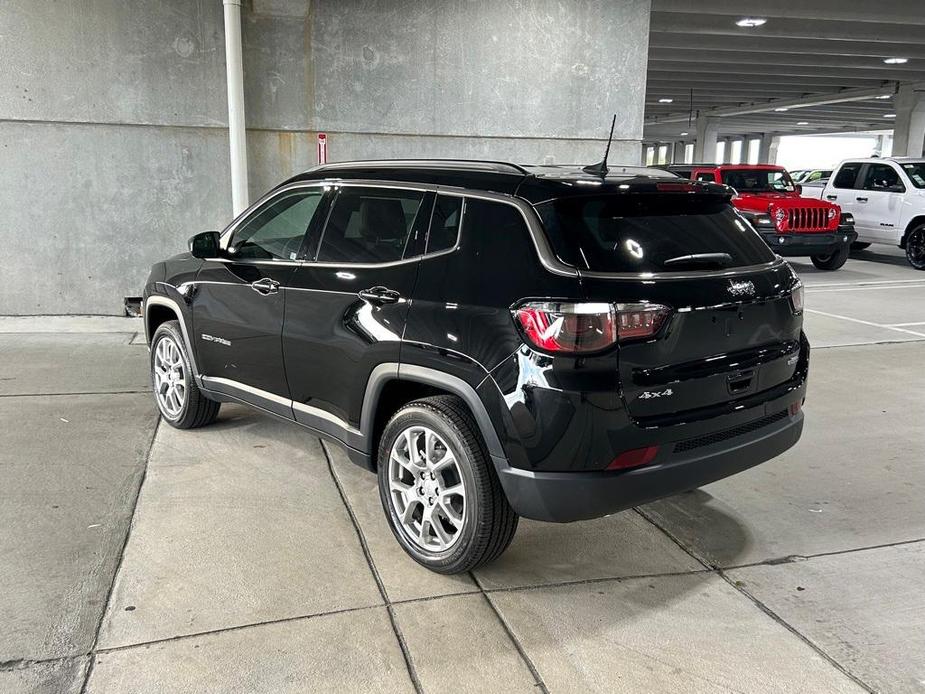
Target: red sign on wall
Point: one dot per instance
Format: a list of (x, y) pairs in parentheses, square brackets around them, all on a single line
[(322, 148)]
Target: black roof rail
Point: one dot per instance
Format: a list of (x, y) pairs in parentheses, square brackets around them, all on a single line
[(457, 164)]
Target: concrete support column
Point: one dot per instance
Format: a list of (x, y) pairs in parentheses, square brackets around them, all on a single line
[(909, 127), (678, 155), (764, 149), (707, 134), (234, 70)]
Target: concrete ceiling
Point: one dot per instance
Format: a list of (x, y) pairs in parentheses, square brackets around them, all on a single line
[(820, 59)]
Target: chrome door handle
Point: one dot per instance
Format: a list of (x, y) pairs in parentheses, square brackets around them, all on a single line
[(379, 295), (861, 199), (265, 286), (831, 197)]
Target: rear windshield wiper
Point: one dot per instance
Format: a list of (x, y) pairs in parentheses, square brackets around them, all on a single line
[(699, 260)]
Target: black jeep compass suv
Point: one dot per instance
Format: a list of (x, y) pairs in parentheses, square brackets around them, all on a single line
[(492, 340)]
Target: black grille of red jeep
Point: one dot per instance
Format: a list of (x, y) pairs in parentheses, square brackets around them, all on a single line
[(719, 436), (807, 219)]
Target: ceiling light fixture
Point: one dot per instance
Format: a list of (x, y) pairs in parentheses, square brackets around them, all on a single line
[(889, 115), (883, 96), (685, 133), (895, 61), (803, 122), (751, 22), (665, 101), (781, 109)]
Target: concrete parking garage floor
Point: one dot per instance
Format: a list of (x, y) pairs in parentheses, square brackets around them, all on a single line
[(250, 557)]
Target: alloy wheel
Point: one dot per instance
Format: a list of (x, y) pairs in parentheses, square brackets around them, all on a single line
[(169, 377), (426, 489), (915, 248)]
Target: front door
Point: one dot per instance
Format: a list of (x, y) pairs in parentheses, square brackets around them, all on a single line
[(347, 304), (239, 300)]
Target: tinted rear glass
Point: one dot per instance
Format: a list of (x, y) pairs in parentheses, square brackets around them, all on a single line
[(638, 233)]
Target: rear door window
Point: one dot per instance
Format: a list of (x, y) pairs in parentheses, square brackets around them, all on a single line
[(847, 175), (639, 233), (444, 224), (369, 225), (706, 176)]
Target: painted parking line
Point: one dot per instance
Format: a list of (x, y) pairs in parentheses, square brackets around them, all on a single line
[(815, 290), (905, 325), (861, 283), (866, 322)]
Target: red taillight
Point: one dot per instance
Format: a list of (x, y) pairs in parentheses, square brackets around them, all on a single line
[(586, 327), (796, 298), (634, 458), (795, 408)]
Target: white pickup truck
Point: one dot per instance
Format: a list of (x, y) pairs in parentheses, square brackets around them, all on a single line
[(887, 198)]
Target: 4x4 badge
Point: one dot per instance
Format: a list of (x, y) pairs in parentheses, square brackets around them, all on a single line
[(649, 394), (744, 288)]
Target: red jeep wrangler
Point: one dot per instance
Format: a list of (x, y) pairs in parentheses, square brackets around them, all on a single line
[(789, 223)]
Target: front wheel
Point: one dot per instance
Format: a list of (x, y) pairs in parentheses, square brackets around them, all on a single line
[(439, 490), (915, 247), (178, 398), (833, 260)]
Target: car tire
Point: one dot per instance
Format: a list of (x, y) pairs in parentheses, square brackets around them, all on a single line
[(833, 260), (915, 247), (859, 245), (433, 467), (181, 403)]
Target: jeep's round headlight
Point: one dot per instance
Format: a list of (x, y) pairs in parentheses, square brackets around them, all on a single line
[(779, 217)]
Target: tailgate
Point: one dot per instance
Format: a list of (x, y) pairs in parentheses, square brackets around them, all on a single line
[(730, 336)]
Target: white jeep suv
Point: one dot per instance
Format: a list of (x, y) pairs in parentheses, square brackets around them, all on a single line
[(887, 198)]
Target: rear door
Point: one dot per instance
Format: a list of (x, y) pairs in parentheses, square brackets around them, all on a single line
[(347, 303), (842, 190), (239, 300), (880, 202)]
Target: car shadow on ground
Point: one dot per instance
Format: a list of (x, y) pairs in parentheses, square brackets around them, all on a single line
[(622, 546)]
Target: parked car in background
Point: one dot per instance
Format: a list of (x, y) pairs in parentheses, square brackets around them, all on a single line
[(814, 189), (492, 340), (791, 224), (809, 175), (887, 198)]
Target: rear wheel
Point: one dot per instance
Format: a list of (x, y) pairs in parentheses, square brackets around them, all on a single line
[(859, 246), (915, 247), (178, 398), (833, 260), (439, 491)]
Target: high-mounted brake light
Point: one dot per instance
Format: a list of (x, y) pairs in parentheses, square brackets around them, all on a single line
[(581, 328)]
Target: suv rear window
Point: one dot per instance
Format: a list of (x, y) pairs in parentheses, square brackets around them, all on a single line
[(638, 233)]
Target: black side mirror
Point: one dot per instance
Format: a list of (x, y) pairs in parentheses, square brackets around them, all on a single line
[(798, 188), (205, 245)]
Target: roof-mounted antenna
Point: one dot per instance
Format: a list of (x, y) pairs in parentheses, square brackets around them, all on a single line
[(600, 169)]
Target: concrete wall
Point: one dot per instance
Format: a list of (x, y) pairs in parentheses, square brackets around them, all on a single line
[(113, 147)]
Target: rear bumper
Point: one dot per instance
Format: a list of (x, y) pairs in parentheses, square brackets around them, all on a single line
[(570, 496), (809, 243)]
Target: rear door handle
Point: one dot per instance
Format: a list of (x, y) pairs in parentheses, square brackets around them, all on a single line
[(379, 295), (861, 199), (265, 286), (831, 197)]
